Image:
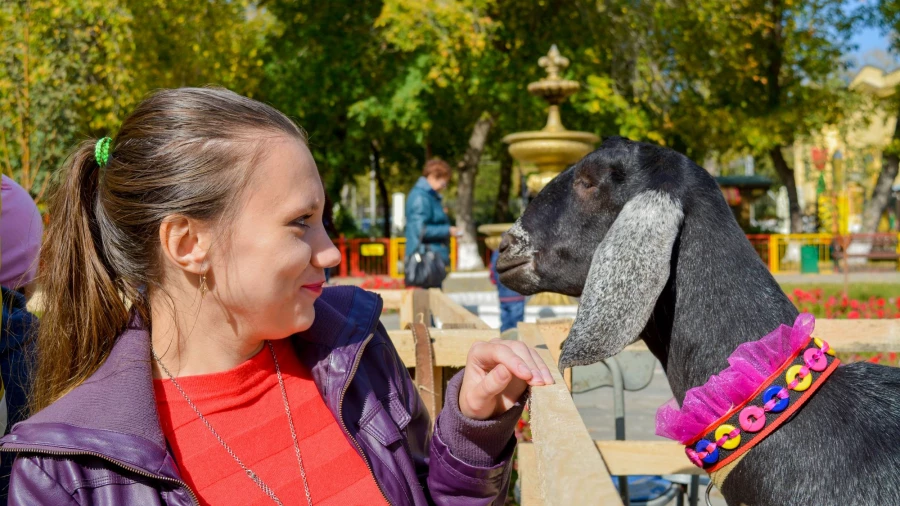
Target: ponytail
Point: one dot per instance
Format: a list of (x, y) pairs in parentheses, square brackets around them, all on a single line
[(84, 308)]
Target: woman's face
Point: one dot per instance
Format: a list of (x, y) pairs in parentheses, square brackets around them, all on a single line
[(437, 184), (272, 268)]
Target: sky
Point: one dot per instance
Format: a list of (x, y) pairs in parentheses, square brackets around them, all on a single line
[(868, 39), (872, 47)]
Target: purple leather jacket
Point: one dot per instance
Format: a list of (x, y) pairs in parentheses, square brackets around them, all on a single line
[(101, 444)]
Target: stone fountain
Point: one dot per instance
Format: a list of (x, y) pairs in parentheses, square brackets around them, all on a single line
[(551, 149)]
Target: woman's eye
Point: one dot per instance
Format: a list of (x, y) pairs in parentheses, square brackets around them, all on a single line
[(301, 221)]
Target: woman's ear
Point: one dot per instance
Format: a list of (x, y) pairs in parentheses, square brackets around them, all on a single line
[(628, 271), (185, 243)]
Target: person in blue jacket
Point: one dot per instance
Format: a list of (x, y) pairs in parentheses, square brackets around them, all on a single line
[(425, 216)]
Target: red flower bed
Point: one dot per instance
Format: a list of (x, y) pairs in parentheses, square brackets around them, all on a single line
[(814, 302), (382, 283), (842, 307)]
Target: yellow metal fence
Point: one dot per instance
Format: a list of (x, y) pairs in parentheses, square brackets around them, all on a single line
[(785, 251)]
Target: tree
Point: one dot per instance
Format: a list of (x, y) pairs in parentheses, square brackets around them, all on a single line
[(323, 67), (473, 59), (756, 74), (886, 15), (73, 69), (64, 73), (445, 42), (502, 212), (429, 77), (191, 43)]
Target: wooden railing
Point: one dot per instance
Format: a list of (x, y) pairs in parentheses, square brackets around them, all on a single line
[(564, 465), (561, 466)]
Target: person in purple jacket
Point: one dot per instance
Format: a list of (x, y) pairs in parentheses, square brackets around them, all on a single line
[(177, 252)]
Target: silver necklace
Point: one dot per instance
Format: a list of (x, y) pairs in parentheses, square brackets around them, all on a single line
[(250, 474)]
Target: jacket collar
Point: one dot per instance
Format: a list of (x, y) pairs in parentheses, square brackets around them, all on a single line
[(423, 185), (345, 317), (114, 413)]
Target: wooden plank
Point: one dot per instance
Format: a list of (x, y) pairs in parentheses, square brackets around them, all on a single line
[(447, 311), (860, 335), (854, 336), (451, 346), (406, 309), (625, 458), (528, 477), (393, 299), (554, 331), (570, 470)]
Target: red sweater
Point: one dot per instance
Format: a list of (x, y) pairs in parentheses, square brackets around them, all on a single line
[(244, 405)]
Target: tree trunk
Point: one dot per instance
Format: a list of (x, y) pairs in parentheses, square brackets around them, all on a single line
[(468, 258), (876, 205), (787, 177), (775, 45), (501, 208), (375, 160)]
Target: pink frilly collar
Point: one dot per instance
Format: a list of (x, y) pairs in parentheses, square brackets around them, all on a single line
[(750, 366)]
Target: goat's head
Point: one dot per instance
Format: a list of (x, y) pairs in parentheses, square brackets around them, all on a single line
[(604, 230)]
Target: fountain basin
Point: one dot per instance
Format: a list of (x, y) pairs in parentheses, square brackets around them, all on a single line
[(550, 151)]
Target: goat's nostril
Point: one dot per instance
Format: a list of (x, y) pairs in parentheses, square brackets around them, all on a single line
[(505, 241)]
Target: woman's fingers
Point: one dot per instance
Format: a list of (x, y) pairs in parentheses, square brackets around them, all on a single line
[(542, 367), (496, 375), (531, 359), (516, 359)]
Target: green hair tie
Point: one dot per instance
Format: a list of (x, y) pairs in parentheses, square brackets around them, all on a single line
[(101, 151)]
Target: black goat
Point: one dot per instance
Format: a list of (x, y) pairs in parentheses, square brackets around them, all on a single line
[(645, 238)]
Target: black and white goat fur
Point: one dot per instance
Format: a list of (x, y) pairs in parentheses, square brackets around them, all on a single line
[(645, 238)]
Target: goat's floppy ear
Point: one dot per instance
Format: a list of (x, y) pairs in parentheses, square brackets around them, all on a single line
[(629, 270)]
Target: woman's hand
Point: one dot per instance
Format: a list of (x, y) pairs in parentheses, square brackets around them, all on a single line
[(497, 373)]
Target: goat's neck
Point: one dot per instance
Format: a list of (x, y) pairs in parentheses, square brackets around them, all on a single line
[(719, 295)]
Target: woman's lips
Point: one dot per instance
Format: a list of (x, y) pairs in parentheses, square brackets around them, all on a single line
[(315, 287)]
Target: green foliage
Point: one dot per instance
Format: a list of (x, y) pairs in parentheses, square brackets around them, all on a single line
[(631, 119), (345, 224), (412, 77), (71, 69), (324, 67), (753, 74), (191, 43), (64, 74)]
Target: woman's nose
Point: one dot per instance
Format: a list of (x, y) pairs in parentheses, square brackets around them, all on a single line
[(326, 254)]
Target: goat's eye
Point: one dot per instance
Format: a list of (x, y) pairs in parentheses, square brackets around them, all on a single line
[(583, 182)]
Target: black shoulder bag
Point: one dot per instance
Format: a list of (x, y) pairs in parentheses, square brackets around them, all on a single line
[(424, 268)]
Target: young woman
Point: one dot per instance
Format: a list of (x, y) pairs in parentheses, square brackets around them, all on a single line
[(188, 353)]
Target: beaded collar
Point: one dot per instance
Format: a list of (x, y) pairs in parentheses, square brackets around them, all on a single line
[(766, 383)]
